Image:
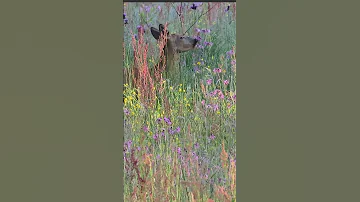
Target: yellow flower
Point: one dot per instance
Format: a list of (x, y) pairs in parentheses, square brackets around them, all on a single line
[(171, 88), (184, 91), (181, 84), (198, 63), (179, 89), (218, 112)]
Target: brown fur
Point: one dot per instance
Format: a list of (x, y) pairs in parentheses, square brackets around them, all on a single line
[(175, 44)]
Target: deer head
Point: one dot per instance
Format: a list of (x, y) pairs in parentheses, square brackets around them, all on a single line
[(175, 44)]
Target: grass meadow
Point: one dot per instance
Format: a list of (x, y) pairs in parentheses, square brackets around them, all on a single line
[(179, 140)]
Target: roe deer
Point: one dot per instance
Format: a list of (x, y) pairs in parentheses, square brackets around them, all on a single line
[(175, 44)]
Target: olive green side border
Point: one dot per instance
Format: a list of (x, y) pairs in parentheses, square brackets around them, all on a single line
[(298, 101), (61, 106), (61, 101)]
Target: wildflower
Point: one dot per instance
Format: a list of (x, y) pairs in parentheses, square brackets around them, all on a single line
[(196, 69), (212, 137), (135, 36), (229, 53), (195, 5), (129, 144), (126, 21), (196, 145), (178, 150), (217, 70), (216, 107), (199, 46), (233, 62), (208, 43), (124, 15), (203, 102), (146, 129), (198, 30), (226, 82), (158, 157), (126, 111), (140, 29), (167, 120), (171, 132), (206, 30), (147, 9), (158, 120), (178, 130), (156, 136), (227, 8), (159, 8), (209, 81)]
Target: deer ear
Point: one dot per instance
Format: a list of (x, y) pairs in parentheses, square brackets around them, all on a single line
[(162, 29), (155, 32)]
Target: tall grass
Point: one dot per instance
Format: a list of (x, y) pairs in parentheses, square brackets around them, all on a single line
[(180, 142)]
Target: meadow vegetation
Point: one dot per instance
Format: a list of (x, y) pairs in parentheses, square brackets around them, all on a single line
[(180, 141)]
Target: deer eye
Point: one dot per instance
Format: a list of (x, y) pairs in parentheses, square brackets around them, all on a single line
[(181, 37)]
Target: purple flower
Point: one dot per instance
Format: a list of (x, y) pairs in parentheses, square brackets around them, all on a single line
[(209, 81), (140, 29), (178, 150), (178, 130), (126, 111), (196, 69), (203, 102), (221, 95), (158, 157), (226, 82), (196, 145), (167, 120), (208, 43), (195, 5), (216, 107), (159, 120), (199, 46), (228, 8), (126, 21), (124, 16), (156, 136), (128, 143), (146, 129), (159, 8), (198, 38), (171, 132), (147, 9), (206, 30), (233, 62), (229, 53), (197, 30), (212, 137), (217, 70)]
